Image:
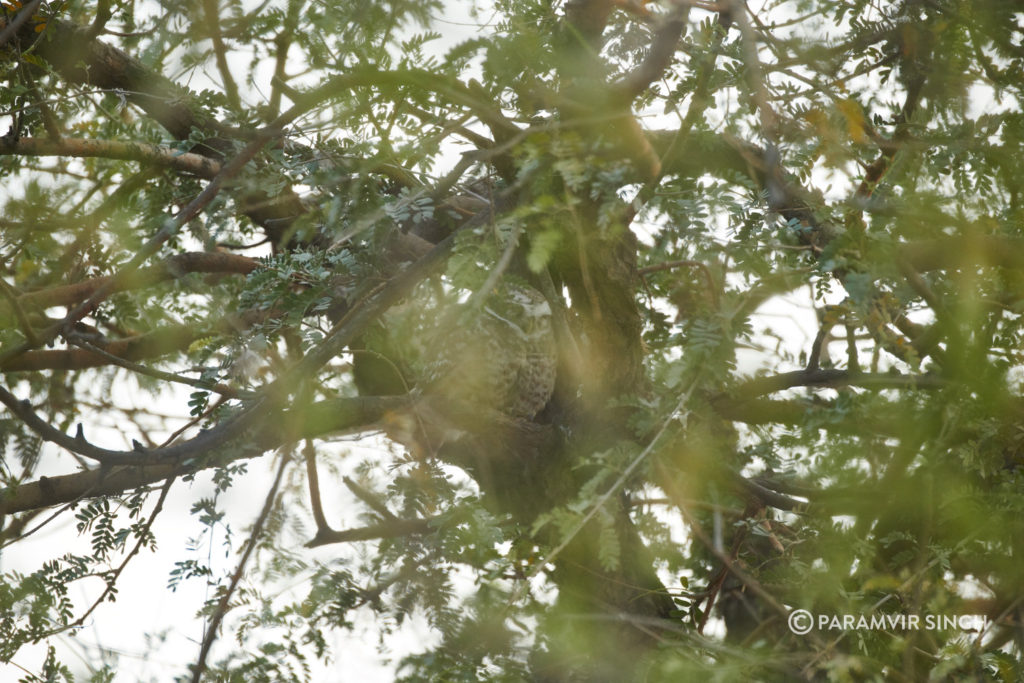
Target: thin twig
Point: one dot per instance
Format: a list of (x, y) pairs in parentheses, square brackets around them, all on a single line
[(217, 387), (705, 271), (111, 580), (220, 51), (225, 598), (369, 498), (173, 436)]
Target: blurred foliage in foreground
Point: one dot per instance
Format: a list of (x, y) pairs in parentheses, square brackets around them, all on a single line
[(231, 232)]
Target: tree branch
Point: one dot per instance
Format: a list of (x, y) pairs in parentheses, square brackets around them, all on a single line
[(80, 59), (757, 411), (370, 498), (225, 598), (834, 378), (723, 154), (313, 480), (157, 155), (143, 535), (337, 339), (964, 251), (169, 228), (171, 267), (23, 16), (658, 59), (370, 76), (158, 342), (84, 60), (319, 419), (151, 345), (388, 529), (223, 389), (11, 297), (212, 21)]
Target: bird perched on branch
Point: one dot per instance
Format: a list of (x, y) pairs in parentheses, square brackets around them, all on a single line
[(471, 369)]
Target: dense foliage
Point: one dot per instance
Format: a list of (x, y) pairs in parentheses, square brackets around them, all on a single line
[(233, 231)]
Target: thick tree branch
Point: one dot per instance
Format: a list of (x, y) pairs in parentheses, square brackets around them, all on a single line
[(313, 481), (965, 252), (83, 60), (760, 411), (150, 345), (723, 155), (834, 378), (340, 336), (319, 419), (658, 59), (153, 344), (195, 448), (171, 267), (157, 155), (21, 18)]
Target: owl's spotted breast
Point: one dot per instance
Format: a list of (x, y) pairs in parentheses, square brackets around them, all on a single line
[(475, 371), (505, 359)]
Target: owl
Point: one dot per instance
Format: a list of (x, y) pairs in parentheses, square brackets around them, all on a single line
[(504, 359), (472, 369)]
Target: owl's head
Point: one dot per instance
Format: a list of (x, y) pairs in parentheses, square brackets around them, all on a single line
[(518, 309)]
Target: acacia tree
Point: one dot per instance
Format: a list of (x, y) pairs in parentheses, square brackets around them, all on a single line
[(276, 255)]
